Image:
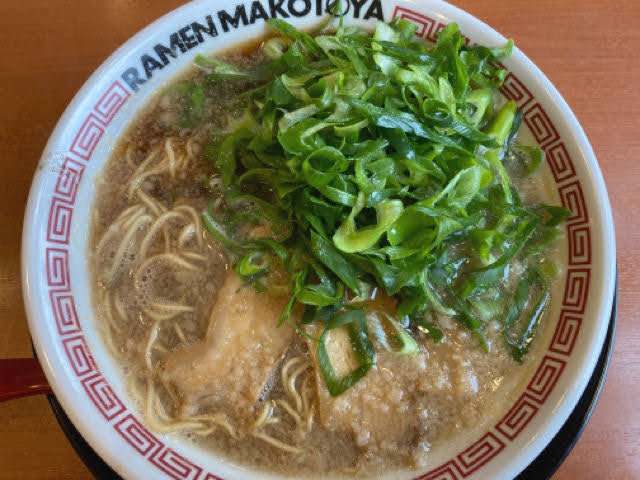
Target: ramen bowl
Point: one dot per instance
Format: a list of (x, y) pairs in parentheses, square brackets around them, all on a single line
[(56, 278)]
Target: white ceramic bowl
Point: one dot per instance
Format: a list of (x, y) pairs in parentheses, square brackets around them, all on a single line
[(55, 274)]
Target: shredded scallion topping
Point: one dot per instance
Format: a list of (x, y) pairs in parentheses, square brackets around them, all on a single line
[(376, 161)]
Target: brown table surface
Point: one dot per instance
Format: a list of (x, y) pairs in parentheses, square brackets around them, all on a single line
[(589, 50)]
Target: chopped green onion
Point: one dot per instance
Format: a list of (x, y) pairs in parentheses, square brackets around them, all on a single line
[(356, 323), (394, 339), (378, 161)]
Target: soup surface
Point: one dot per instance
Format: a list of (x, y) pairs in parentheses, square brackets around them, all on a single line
[(200, 345)]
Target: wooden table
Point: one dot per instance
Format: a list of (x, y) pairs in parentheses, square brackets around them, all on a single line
[(589, 50)]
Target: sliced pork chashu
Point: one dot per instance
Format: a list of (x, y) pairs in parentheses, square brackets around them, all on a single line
[(239, 353), (392, 403)]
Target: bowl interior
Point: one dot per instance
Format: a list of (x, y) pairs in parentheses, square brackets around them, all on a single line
[(56, 277)]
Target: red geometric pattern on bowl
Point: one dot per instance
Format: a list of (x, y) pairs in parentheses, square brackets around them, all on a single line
[(513, 89), (62, 303), (560, 162), (64, 311), (545, 378), (103, 396), (479, 453), (136, 435), (111, 102), (572, 199), (58, 268), (576, 289), (472, 458), (542, 128), (566, 333), (69, 179), (175, 465), (579, 237), (79, 355), (59, 223), (88, 136), (518, 417)]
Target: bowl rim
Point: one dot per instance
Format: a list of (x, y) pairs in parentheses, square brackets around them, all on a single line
[(35, 308)]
